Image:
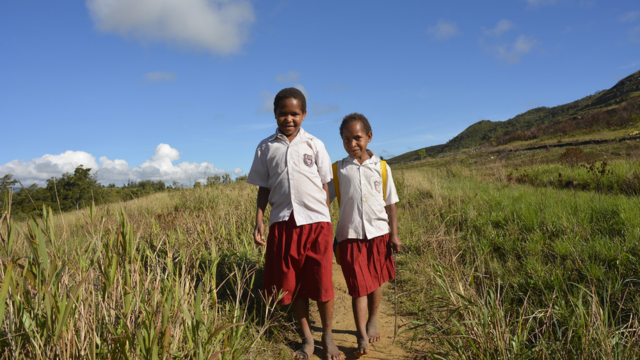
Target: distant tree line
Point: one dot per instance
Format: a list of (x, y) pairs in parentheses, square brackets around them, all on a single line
[(73, 191)]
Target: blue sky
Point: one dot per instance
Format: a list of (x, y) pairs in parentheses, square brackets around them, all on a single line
[(182, 89)]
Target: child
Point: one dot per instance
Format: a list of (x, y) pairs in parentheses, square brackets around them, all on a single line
[(292, 169), (367, 231)]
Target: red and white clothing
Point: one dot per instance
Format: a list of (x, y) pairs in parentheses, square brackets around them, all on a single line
[(362, 208), (294, 172), (299, 256), (366, 264), (299, 261)]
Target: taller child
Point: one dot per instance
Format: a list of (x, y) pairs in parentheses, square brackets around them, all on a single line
[(292, 169)]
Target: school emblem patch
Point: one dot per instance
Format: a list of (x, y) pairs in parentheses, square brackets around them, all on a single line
[(308, 160), (378, 186)]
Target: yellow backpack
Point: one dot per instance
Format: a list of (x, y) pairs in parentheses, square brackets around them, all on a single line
[(336, 185)]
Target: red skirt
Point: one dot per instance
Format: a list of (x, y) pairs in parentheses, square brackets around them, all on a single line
[(299, 260), (366, 264)]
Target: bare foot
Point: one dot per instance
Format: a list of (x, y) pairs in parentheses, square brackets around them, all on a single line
[(331, 351), (372, 331), (363, 347), (305, 350)]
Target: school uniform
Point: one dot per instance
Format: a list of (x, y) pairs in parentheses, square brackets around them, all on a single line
[(362, 233), (298, 258)]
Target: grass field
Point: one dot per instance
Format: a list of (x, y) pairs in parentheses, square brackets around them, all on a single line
[(497, 268), (493, 267)]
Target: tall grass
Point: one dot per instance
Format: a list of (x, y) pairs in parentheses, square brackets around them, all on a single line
[(146, 280), (499, 271)]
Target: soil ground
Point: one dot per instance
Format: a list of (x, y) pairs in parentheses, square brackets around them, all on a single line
[(344, 327)]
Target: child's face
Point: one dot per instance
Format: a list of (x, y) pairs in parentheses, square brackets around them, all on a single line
[(289, 117), (355, 140)]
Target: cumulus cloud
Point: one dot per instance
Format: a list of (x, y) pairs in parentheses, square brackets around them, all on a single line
[(159, 76), (512, 53), (43, 168), (237, 171), (503, 26), (630, 16), (443, 30), (160, 166), (217, 26), (291, 76)]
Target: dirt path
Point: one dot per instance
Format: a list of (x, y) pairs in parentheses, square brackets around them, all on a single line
[(344, 328)]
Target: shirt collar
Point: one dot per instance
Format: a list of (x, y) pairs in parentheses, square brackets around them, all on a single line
[(279, 134), (373, 159)]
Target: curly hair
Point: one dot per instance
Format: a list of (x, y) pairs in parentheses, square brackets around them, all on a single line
[(355, 117), (290, 93)]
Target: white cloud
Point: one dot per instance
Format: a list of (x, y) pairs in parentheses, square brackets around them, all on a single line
[(291, 76), (218, 26), (159, 167), (43, 168), (503, 26), (159, 76), (237, 171), (512, 53), (443, 30), (630, 16)]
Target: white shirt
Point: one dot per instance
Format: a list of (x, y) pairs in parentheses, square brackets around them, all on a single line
[(294, 173), (362, 208)]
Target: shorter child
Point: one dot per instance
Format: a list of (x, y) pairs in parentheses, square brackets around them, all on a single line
[(367, 231)]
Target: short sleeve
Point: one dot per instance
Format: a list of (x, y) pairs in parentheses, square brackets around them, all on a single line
[(259, 174), (392, 194), (323, 162)]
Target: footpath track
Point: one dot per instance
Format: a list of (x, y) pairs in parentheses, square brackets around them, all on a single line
[(344, 328)]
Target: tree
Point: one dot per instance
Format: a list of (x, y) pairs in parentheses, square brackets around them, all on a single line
[(74, 191), (422, 153), (7, 182), (226, 179), (214, 180)]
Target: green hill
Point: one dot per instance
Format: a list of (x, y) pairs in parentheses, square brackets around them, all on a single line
[(591, 111)]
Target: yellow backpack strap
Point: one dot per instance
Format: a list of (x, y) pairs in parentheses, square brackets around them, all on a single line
[(383, 167), (336, 182)]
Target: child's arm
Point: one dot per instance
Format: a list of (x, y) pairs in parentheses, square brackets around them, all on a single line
[(393, 224), (262, 201), (326, 190)]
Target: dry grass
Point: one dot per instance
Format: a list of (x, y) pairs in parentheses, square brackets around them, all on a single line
[(167, 276)]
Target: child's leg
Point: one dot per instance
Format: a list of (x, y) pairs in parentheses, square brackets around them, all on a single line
[(359, 306), (301, 307), (331, 351), (373, 302)]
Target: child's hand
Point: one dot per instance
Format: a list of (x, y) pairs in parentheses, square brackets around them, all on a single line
[(258, 234), (395, 243)]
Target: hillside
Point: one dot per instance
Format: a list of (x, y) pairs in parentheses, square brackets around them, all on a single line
[(545, 120)]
